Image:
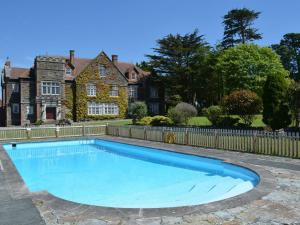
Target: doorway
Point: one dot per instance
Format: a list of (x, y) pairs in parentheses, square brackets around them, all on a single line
[(51, 113)]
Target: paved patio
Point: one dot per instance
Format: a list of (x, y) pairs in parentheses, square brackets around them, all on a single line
[(276, 200)]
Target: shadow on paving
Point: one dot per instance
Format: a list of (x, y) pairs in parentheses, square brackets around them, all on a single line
[(19, 212)]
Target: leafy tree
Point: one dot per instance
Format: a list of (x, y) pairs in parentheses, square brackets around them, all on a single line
[(247, 67), (289, 51), (238, 27), (294, 101), (244, 103), (138, 110), (182, 61), (276, 110)]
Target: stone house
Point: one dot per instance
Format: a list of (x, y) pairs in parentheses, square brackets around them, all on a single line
[(59, 87)]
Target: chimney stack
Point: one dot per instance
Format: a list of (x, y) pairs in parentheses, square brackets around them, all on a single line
[(114, 58), (7, 63), (72, 56)]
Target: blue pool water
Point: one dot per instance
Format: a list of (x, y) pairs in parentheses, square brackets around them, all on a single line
[(112, 174)]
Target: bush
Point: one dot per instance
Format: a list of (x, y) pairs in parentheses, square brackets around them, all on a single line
[(243, 103), (174, 100), (63, 122), (182, 113), (227, 121), (39, 122), (145, 121), (138, 110), (213, 114), (174, 116), (276, 110), (161, 121)]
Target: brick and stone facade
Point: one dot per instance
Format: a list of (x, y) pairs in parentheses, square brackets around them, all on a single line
[(58, 87)]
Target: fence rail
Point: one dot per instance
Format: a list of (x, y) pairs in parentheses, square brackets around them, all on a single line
[(50, 132), (285, 144)]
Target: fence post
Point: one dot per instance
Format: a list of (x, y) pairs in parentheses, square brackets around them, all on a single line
[(57, 132), (186, 137), (254, 140), (216, 139), (83, 130), (129, 133), (145, 133), (106, 129), (28, 130)]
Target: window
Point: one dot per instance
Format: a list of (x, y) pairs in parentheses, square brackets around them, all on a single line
[(29, 110), (153, 92), (15, 108), (132, 91), (114, 91), (154, 108), (102, 108), (133, 76), (15, 87), (50, 88), (68, 71), (91, 89), (102, 70)]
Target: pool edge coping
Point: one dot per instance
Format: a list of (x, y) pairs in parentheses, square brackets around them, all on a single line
[(18, 188)]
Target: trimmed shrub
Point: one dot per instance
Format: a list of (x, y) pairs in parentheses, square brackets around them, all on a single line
[(138, 110), (145, 121), (182, 113), (243, 103), (161, 121), (213, 114), (174, 116)]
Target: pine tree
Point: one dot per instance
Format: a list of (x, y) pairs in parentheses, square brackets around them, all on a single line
[(238, 27)]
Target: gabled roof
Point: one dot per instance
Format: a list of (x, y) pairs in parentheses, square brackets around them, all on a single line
[(79, 64), (17, 73), (125, 68)]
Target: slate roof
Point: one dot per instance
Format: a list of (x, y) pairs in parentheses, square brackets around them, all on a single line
[(80, 64)]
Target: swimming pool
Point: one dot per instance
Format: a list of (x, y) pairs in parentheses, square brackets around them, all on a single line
[(112, 174)]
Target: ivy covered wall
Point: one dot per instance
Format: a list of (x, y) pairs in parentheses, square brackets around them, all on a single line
[(78, 110)]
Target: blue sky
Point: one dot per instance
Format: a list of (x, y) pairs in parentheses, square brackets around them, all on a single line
[(128, 28)]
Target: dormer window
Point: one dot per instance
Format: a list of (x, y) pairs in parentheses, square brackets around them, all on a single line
[(68, 71), (102, 71), (133, 76)]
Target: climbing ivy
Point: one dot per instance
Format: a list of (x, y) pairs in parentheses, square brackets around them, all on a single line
[(90, 74)]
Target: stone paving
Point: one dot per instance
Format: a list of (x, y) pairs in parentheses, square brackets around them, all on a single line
[(276, 201)]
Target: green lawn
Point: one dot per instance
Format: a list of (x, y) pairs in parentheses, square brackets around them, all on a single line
[(102, 122)]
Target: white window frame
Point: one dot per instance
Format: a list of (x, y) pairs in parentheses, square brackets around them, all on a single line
[(114, 91), (95, 109), (68, 71), (133, 91), (15, 87), (15, 108), (91, 90), (102, 70), (29, 110), (50, 88), (153, 92)]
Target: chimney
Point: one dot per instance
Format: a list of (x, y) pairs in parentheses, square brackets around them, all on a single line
[(7, 63), (72, 57), (114, 58)]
